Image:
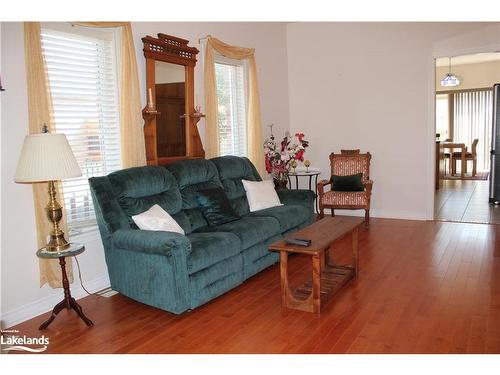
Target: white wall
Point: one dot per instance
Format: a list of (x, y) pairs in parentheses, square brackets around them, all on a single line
[(370, 86), (21, 297)]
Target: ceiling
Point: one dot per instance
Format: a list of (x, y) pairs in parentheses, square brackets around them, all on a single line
[(468, 59)]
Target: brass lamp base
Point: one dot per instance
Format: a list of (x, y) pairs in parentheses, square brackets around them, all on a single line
[(57, 241)]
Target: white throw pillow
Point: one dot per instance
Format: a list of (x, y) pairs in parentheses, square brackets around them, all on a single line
[(156, 218), (261, 194)]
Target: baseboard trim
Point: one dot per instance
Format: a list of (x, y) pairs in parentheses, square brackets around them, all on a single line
[(42, 305), (382, 214)]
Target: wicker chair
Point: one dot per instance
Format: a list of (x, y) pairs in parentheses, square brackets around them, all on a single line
[(345, 164)]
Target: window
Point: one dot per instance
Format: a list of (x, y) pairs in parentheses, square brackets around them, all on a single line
[(230, 77), (442, 116), (472, 119), (83, 85)]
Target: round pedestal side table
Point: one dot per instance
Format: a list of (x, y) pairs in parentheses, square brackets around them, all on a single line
[(311, 174), (68, 301)]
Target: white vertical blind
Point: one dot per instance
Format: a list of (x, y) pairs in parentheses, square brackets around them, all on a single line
[(472, 118), (231, 96), (83, 85)]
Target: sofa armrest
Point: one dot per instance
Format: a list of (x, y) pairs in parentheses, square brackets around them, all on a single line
[(151, 242), (297, 196)]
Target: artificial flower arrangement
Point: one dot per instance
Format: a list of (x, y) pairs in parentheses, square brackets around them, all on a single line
[(279, 156)]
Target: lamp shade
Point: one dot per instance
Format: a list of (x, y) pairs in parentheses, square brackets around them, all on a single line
[(46, 157)]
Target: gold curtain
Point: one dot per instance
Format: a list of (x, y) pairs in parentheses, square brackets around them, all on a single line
[(254, 128), (39, 113), (131, 122)]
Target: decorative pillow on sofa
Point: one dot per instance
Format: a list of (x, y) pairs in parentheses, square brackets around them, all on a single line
[(261, 194), (348, 183), (156, 218), (216, 207)]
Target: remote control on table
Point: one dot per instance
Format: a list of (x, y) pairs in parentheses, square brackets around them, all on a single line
[(298, 241)]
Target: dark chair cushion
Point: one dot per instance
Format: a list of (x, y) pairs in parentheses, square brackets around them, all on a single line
[(215, 206), (208, 249), (289, 216), (250, 230), (348, 183)]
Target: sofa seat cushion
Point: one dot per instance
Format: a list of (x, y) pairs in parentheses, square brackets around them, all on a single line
[(289, 216), (250, 230), (210, 248)]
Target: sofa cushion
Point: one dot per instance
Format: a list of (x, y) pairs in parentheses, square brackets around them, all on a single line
[(156, 218), (289, 216), (208, 249), (138, 189), (216, 207), (233, 169), (192, 176), (250, 230), (261, 195)]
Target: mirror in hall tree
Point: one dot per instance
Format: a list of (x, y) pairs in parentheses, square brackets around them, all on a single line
[(171, 104), (170, 117)]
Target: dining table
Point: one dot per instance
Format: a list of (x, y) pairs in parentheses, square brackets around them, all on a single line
[(463, 150)]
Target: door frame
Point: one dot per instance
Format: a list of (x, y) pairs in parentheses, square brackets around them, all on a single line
[(431, 120)]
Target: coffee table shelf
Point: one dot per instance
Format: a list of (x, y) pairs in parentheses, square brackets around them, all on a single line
[(333, 279)]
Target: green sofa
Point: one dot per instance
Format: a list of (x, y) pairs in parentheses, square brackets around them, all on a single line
[(177, 272)]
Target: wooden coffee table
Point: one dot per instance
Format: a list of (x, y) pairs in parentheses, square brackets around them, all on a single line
[(327, 279)]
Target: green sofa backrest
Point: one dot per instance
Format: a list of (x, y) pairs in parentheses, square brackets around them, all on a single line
[(192, 176), (122, 194), (138, 189), (231, 170)]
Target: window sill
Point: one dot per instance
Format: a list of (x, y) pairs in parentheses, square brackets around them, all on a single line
[(90, 233)]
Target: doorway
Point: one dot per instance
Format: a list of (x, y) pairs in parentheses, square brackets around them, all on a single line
[(463, 98)]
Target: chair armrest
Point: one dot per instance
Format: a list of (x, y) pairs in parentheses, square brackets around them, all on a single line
[(151, 242), (297, 196), (368, 186), (321, 186)]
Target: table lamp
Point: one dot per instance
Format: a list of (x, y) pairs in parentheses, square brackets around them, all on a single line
[(47, 157)]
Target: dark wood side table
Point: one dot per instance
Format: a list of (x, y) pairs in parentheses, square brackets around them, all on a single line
[(68, 301), (327, 279)]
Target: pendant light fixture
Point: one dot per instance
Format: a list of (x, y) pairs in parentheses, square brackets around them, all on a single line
[(450, 80)]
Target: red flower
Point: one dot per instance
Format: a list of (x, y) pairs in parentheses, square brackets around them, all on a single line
[(300, 136), (300, 155), (269, 167)]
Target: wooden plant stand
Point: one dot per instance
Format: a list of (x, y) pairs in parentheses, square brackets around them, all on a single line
[(68, 302)]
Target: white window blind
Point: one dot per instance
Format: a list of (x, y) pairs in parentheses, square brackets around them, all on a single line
[(472, 119), (230, 76), (83, 86)]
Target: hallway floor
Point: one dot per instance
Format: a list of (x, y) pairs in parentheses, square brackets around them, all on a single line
[(465, 201)]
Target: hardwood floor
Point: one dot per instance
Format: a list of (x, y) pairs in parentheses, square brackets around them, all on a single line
[(423, 287)]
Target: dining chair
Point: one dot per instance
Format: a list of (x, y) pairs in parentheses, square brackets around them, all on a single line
[(468, 156), (447, 157)]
